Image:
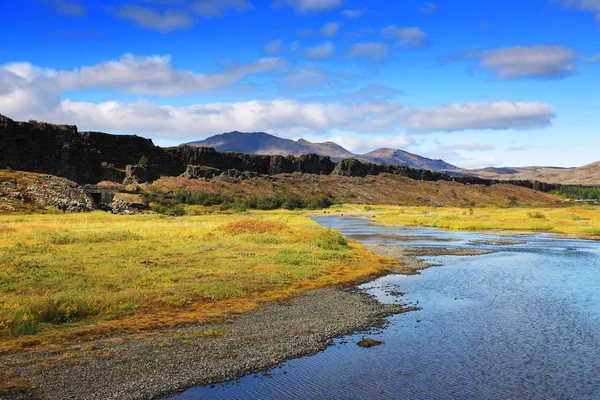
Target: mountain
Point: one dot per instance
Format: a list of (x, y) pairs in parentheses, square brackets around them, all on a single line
[(586, 175), (401, 157), (264, 143)]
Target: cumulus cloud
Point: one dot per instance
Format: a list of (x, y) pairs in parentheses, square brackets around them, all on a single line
[(285, 117), (495, 115), (352, 13), (142, 75), (307, 76), (592, 6), (542, 62), (482, 162), (31, 92), (274, 47), (331, 29), (406, 36), (394, 141), (320, 52), (306, 6), (147, 18), (217, 8), (472, 146), (374, 50), (428, 8), (72, 8)]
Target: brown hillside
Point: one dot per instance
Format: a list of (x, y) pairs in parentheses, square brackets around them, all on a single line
[(586, 175), (381, 189)]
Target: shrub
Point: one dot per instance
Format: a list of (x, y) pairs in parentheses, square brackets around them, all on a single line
[(174, 210), (21, 323), (330, 239), (144, 160), (60, 311), (536, 215)]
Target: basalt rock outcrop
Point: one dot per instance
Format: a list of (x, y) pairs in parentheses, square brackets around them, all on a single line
[(135, 174), (90, 157), (20, 189)]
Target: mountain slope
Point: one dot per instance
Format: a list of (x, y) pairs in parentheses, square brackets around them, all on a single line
[(401, 157), (264, 143), (585, 175)]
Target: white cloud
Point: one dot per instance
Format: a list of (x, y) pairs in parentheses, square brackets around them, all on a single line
[(592, 6), (352, 13), (274, 47), (320, 52), (331, 29), (498, 115), (30, 92), (523, 147), (305, 32), (306, 6), (472, 146), (285, 117), (375, 50), (349, 141), (307, 76), (362, 144), (482, 162), (595, 58), (406, 36), (147, 18), (395, 142), (72, 8), (153, 75), (217, 8), (428, 8), (542, 62)]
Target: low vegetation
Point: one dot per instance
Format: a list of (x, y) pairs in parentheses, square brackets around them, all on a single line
[(579, 192), (71, 275), (577, 220), (173, 204)]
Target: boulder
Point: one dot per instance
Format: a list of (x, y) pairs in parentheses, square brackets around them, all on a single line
[(140, 174), (201, 172)]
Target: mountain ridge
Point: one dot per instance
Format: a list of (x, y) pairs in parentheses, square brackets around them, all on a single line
[(265, 143)]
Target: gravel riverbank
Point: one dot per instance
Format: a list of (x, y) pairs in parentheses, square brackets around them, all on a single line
[(168, 361)]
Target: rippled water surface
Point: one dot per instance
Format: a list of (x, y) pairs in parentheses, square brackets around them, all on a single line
[(522, 323)]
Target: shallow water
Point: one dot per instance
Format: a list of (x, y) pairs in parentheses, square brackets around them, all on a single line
[(522, 323)]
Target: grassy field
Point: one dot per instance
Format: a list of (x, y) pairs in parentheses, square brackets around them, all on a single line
[(71, 275), (576, 220)]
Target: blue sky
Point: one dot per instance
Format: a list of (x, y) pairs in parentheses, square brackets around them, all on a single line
[(473, 82)]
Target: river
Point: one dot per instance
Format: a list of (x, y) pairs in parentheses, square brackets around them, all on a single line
[(521, 323)]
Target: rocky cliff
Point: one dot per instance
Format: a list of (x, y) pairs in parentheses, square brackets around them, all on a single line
[(89, 157)]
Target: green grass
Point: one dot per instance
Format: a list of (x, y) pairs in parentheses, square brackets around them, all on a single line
[(69, 275), (576, 220)]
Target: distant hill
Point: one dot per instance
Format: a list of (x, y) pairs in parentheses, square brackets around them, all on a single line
[(264, 143), (586, 175), (401, 157)]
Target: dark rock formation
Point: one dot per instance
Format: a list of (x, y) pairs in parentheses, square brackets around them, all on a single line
[(200, 172), (139, 174), (125, 203), (43, 191), (88, 157)]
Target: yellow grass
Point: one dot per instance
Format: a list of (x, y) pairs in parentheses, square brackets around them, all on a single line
[(575, 220), (66, 276)]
